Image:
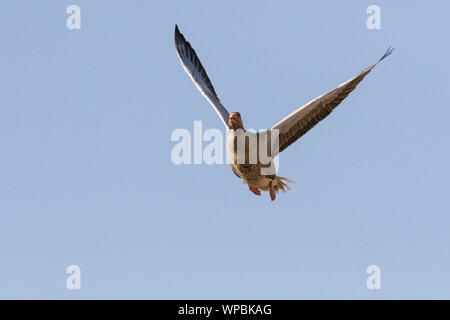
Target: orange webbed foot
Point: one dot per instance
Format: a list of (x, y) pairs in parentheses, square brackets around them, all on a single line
[(254, 190), (272, 193)]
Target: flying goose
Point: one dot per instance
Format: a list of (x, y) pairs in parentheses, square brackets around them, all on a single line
[(289, 130)]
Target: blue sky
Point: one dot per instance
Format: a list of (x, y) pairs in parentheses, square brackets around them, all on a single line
[(86, 176)]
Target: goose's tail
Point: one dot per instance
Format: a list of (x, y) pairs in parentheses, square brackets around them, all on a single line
[(279, 184)]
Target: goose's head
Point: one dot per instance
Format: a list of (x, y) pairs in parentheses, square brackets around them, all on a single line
[(235, 121)]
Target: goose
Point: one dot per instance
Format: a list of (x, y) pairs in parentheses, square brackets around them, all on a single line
[(288, 130)]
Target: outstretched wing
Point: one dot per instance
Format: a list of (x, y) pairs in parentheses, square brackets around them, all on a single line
[(192, 65), (306, 117)]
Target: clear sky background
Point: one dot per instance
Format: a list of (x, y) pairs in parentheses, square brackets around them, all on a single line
[(86, 176)]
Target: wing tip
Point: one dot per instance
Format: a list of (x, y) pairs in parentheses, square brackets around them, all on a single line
[(178, 34), (387, 53)]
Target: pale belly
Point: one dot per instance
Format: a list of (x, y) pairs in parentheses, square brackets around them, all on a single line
[(257, 175), (251, 175)]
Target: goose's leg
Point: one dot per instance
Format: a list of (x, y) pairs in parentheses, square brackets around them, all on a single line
[(272, 192), (254, 190)]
